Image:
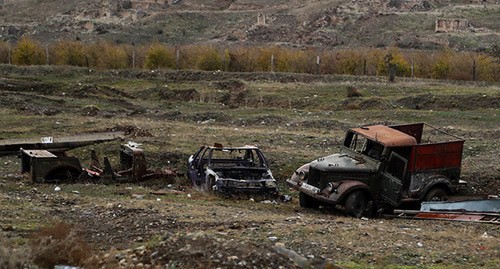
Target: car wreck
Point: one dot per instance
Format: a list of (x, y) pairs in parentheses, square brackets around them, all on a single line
[(380, 167), (232, 170), (47, 166)]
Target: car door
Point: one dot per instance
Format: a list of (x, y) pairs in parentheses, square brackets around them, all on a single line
[(194, 166), (392, 178)]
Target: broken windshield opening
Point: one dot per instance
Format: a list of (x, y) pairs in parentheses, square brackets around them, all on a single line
[(236, 157)]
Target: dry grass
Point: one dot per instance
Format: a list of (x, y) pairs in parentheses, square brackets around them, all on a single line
[(59, 244)]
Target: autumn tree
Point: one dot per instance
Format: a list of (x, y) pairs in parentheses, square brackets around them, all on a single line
[(28, 52)]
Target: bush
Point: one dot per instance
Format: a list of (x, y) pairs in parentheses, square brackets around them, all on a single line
[(4, 52), (441, 67), (70, 53), (349, 62), (487, 68), (28, 52), (159, 56), (59, 244), (394, 57), (10, 258), (209, 59), (106, 55)]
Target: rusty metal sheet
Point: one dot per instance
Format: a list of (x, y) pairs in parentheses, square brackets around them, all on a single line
[(63, 143), (438, 155), (488, 205), (455, 216), (484, 217), (386, 136)]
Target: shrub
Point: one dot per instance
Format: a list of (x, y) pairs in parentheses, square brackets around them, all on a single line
[(209, 59), (4, 52), (353, 92), (106, 55), (441, 67), (394, 57), (59, 243), (349, 62), (291, 60), (10, 258), (70, 53), (159, 56), (487, 68), (28, 52)]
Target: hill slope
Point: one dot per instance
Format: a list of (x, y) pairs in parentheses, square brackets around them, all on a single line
[(320, 23)]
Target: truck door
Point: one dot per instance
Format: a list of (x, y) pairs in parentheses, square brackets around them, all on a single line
[(392, 178)]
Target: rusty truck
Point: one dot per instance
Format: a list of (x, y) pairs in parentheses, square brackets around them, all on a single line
[(381, 167)]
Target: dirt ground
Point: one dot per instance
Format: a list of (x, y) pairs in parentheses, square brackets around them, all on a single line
[(169, 224)]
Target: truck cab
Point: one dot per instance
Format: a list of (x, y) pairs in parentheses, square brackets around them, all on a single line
[(380, 166)]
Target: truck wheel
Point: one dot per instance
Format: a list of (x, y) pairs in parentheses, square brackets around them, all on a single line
[(355, 204), (307, 201), (436, 194)]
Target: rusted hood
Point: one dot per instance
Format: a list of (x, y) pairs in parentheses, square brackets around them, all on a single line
[(343, 163)]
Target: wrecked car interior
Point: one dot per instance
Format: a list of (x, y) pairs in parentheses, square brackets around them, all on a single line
[(229, 170)]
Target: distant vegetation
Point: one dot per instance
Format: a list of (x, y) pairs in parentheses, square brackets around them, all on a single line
[(442, 64)]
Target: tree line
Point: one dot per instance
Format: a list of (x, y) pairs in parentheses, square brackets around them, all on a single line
[(441, 64)]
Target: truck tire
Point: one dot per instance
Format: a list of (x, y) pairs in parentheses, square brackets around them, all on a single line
[(436, 194), (307, 201), (355, 204)]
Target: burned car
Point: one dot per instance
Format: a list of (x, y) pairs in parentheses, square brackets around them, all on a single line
[(232, 170), (380, 167), (52, 166)]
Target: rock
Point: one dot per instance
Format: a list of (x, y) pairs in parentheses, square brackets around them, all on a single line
[(57, 188), (272, 238)]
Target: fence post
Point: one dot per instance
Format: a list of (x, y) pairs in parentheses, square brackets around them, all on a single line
[(317, 65), (177, 57), (364, 67), (272, 63), (47, 54), (474, 70), (133, 59), (9, 54), (412, 69)]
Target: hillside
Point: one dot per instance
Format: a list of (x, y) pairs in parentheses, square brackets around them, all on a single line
[(293, 118), (319, 23)]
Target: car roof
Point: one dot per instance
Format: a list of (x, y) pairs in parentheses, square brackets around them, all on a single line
[(386, 135), (233, 148)]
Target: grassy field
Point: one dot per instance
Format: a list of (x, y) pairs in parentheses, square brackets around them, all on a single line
[(292, 118)]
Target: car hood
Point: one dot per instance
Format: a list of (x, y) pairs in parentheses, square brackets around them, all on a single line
[(343, 163)]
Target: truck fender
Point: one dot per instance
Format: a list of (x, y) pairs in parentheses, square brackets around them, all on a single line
[(341, 190), (436, 182)]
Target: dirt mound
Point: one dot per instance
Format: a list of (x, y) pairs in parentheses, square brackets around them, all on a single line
[(364, 104), (261, 120), (87, 91), (459, 102), (37, 105), (130, 130), (165, 93), (230, 84), (323, 124), (199, 250), (27, 86), (208, 117)]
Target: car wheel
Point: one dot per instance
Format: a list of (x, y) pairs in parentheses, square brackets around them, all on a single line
[(307, 201), (355, 204), (436, 194)]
